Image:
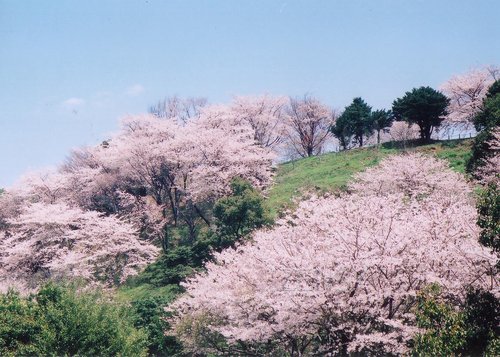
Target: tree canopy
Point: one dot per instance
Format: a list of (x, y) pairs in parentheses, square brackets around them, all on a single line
[(422, 106), (356, 121)]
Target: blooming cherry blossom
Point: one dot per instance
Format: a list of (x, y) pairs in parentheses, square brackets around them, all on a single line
[(467, 91), (59, 241), (352, 264)]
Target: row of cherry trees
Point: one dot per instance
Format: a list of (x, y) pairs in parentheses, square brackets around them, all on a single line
[(290, 126), (102, 215), (301, 127), (342, 274)]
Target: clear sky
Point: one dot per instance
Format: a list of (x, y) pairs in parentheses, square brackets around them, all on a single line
[(70, 69)]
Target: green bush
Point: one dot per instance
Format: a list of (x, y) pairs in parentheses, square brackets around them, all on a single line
[(239, 214), (151, 317), (480, 151), (482, 319), (471, 330), (489, 217), (445, 330), (60, 321), (22, 332)]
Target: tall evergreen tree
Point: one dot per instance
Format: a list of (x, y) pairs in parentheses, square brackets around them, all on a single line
[(355, 121), (423, 106)]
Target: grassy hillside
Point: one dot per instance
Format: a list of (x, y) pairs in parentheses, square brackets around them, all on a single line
[(331, 172)]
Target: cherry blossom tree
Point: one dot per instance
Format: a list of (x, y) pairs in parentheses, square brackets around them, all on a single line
[(158, 167), (194, 162), (181, 109), (342, 274), (59, 241), (266, 116), (402, 132), (308, 125), (467, 91), (413, 175)]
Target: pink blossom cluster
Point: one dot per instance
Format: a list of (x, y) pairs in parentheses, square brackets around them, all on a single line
[(308, 126), (59, 241), (467, 91), (353, 264), (88, 218)]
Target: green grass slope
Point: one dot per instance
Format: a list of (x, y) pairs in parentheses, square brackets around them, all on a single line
[(331, 172)]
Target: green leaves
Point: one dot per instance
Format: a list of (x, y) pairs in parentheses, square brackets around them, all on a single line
[(356, 121), (61, 321), (239, 214), (423, 106), (488, 207), (487, 120), (472, 330)]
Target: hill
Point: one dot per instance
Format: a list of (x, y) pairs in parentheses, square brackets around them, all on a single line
[(330, 172)]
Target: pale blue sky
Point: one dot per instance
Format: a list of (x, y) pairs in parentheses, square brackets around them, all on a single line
[(70, 69)]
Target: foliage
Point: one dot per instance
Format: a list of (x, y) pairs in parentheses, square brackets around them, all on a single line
[(479, 151), (341, 130), (488, 207), (482, 319), (151, 317), (424, 107), (350, 265), (489, 115), (445, 331), (239, 214), (356, 121), (470, 330), (61, 321), (494, 89), (21, 331), (170, 268), (381, 119), (488, 121)]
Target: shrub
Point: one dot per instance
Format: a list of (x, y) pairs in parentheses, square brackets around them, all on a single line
[(62, 321)]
